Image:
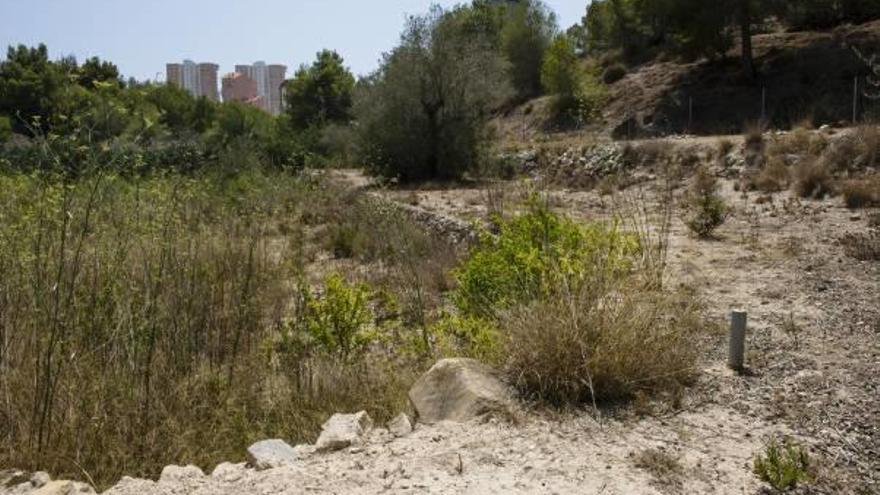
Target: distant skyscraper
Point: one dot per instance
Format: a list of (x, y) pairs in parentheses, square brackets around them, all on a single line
[(174, 74), (240, 87), (268, 80), (208, 81), (198, 79), (277, 75)]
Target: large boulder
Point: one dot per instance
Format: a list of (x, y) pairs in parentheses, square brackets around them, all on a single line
[(400, 426), (459, 390), (343, 430), (273, 453)]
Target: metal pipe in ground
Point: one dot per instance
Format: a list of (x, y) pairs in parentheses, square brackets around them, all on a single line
[(736, 353)]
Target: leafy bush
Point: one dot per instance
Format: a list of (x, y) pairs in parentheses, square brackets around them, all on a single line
[(337, 319), (570, 311), (783, 464), (532, 255), (706, 208)]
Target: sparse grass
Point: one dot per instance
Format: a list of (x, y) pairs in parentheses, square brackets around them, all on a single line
[(663, 466), (855, 151), (725, 146), (784, 464), (754, 145), (813, 179)]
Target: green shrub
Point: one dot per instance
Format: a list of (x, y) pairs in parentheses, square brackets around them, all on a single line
[(532, 255), (783, 464), (706, 208), (467, 336), (338, 319)]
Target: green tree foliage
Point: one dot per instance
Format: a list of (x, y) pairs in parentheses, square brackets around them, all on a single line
[(422, 114), (561, 75), (819, 14), (95, 70), (321, 93), (527, 31), (30, 87)]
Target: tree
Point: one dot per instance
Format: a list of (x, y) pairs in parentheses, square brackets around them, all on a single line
[(422, 114), (94, 70), (560, 73), (320, 94), (30, 86), (527, 31)]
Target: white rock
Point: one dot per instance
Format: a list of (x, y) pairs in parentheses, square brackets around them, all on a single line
[(64, 487), (40, 478), (268, 454), (227, 471), (459, 390), (400, 426), (174, 474), (343, 430)]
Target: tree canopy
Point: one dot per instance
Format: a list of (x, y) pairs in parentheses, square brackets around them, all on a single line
[(321, 93)]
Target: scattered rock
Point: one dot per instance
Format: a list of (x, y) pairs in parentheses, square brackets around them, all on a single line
[(400, 426), (268, 454), (40, 478), (64, 488), (228, 471), (12, 477), (343, 430), (459, 390), (173, 474)]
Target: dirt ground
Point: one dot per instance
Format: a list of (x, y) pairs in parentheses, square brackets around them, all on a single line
[(813, 347)]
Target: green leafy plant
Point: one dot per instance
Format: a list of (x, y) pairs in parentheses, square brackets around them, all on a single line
[(338, 319), (707, 210), (533, 254), (783, 464)]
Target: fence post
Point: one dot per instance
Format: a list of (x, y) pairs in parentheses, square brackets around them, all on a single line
[(736, 353), (690, 115), (763, 106), (855, 99)]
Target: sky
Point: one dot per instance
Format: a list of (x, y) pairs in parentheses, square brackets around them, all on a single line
[(141, 36)]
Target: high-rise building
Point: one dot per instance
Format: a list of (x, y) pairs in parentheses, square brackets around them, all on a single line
[(174, 74), (208, 81), (239, 87), (269, 80), (277, 75), (198, 79)]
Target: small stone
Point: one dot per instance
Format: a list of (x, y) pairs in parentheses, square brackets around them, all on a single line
[(64, 488), (174, 474), (343, 430), (855, 217), (39, 479), (268, 454), (400, 426)]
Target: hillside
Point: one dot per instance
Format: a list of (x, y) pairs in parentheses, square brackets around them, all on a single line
[(807, 76)]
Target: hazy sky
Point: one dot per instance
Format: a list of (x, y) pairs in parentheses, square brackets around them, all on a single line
[(140, 36)]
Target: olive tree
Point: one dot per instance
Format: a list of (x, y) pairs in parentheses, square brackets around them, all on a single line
[(422, 114)]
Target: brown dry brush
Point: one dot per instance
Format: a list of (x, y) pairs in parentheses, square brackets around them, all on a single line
[(137, 319)]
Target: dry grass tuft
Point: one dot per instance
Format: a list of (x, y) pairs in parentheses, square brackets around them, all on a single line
[(774, 177), (663, 466), (863, 246), (813, 179), (861, 193)]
